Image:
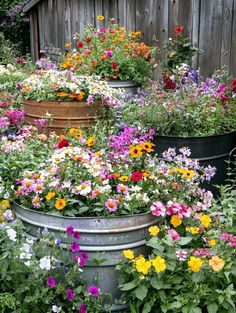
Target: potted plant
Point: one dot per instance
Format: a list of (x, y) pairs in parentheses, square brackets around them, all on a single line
[(67, 99), (190, 112), (105, 192), (112, 53)]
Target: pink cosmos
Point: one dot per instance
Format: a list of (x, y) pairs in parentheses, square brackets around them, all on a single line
[(70, 294), (74, 247), (38, 187), (37, 202), (93, 290), (82, 308), (111, 205), (158, 208), (181, 255), (51, 282), (122, 189), (174, 234)]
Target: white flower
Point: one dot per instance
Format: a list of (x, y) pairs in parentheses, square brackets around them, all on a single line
[(11, 233), (45, 263), (56, 309), (27, 263)]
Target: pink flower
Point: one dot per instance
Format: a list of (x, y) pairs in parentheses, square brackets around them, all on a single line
[(174, 208), (51, 282), (93, 290), (202, 251), (109, 54), (225, 236), (181, 255), (122, 188), (174, 234), (74, 247), (111, 205), (158, 208), (76, 235), (82, 308), (70, 294), (84, 255), (70, 230)]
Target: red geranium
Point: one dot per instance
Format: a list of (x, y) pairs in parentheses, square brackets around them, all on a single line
[(63, 143), (179, 30), (80, 44), (136, 176)]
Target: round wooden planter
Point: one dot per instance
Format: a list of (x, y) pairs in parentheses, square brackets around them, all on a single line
[(63, 114)]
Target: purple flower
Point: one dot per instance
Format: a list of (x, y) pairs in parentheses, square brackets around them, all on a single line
[(76, 235), (70, 294), (42, 122), (109, 54), (51, 282), (84, 255), (70, 230), (82, 308), (74, 247), (93, 291), (90, 99)]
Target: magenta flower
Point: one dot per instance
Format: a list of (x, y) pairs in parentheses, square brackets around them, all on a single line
[(75, 257), (93, 291), (82, 308), (51, 282), (84, 255), (158, 208), (74, 247), (42, 122), (70, 294), (108, 54), (111, 205), (70, 230), (174, 234), (76, 235)]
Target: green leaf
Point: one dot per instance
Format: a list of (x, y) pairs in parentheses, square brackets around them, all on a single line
[(198, 277), (212, 308), (155, 245), (129, 286), (184, 241), (195, 310), (147, 307), (156, 283), (174, 305), (141, 292)]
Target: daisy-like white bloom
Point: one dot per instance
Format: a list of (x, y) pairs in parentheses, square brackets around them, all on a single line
[(45, 263), (85, 188)]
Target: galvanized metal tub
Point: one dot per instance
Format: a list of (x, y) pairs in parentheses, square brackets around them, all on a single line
[(101, 237)]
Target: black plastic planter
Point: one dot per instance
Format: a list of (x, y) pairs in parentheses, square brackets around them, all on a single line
[(209, 150)]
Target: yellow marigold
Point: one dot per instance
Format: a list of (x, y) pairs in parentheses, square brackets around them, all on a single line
[(4, 205), (60, 204), (128, 254), (195, 264), (212, 242), (50, 195), (193, 230), (159, 264), (216, 263), (135, 151), (147, 146), (205, 220), (100, 17), (142, 266), (175, 220), (91, 141), (154, 230), (123, 178)]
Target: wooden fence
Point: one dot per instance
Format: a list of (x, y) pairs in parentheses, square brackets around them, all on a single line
[(211, 24)]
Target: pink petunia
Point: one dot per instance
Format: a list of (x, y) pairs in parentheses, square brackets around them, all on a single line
[(158, 208), (174, 234)]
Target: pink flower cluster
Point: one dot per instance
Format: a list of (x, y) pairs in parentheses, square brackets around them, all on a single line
[(171, 208)]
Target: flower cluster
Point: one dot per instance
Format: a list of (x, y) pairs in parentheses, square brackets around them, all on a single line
[(186, 106), (121, 178), (111, 52), (64, 86), (10, 75)]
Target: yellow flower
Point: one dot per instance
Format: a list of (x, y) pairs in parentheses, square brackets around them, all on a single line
[(50, 195), (100, 17), (91, 141), (68, 44), (135, 151), (159, 264), (128, 254), (212, 242), (193, 230), (188, 174), (195, 264), (147, 146), (154, 230), (62, 94), (205, 220), (60, 204), (4, 204), (124, 178), (142, 266), (175, 220), (75, 132), (137, 33), (216, 263)]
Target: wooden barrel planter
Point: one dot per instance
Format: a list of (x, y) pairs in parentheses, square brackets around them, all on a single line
[(209, 150), (63, 114), (101, 237)]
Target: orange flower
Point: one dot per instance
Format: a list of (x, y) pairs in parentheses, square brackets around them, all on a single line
[(91, 141), (26, 89), (81, 95), (62, 94), (68, 44), (60, 204), (102, 57), (216, 263), (100, 17), (147, 146), (54, 86), (73, 95)]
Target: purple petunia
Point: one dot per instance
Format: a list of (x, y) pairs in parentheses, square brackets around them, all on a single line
[(82, 308), (70, 230), (70, 294), (93, 291), (74, 247), (51, 282)]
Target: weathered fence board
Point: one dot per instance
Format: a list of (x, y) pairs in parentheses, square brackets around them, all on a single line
[(211, 24)]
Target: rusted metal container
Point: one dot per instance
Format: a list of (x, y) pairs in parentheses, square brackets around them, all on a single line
[(63, 114), (101, 237)]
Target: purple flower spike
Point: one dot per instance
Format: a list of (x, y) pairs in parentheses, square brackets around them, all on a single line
[(74, 247), (51, 282), (93, 291), (70, 294)]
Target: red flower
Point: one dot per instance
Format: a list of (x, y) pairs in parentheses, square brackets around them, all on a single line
[(148, 57), (136, 176), (114, 65), (63, 143), (80, 44), (88, 39), (179, 30)]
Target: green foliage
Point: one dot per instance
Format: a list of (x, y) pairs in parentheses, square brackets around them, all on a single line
[(8, 51)]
